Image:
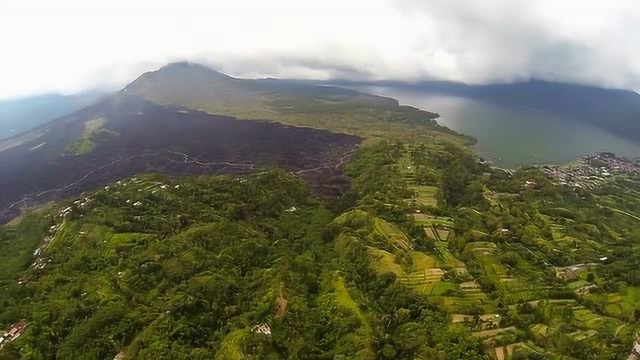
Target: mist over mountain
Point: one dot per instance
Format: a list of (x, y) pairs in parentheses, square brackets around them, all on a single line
[(475, 41), (615, 110), (19, 115)]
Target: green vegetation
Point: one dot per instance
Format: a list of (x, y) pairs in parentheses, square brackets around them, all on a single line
[(93, 134), (188, 268), (431, 254), (17, 244), (196, 267)]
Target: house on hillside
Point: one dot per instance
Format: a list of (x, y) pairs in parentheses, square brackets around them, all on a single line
[(568, 273), (635, 351), (13, 333), (262, 329)]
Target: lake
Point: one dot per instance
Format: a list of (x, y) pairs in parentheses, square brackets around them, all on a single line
[(512, 137)]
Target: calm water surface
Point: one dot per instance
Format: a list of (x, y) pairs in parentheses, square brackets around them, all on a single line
[(512, 137)]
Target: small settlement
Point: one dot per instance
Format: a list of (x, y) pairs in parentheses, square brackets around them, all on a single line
[(12, 333), (592, 170)]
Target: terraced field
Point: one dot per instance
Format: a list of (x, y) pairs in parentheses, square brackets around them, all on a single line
[(621, 304), (424, 277), (511, 289), (429, 220), (385, 262), (512, 285), (398, 238), (475, 296), (509, 351), (425, 195)]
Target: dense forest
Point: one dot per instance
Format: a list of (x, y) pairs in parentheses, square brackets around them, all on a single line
[(186, 268)]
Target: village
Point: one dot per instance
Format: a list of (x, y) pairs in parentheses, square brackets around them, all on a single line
[(12, 333), (592, 170)]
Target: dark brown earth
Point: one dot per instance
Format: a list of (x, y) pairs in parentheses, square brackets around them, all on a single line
[(281, 305), (174, 141)]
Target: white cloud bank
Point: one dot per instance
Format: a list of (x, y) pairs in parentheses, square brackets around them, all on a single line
[(69, 45)]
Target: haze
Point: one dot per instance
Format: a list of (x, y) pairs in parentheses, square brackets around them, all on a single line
[(68, 46)]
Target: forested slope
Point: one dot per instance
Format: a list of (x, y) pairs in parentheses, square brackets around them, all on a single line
[(187, 268), (259, 267), (429, 254)]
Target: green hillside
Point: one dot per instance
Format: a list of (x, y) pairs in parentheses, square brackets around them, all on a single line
[(430, 254), (197, 264)]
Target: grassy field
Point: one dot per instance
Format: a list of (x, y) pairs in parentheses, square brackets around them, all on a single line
[(344, 301), (230, 348), (37, 209), (428, 220), (447, 258), (492, 333), (385, 262), (93, 132), (620, 305), (425, 195), (397, 237)]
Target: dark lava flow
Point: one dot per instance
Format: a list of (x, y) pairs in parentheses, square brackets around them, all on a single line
[(154, 138)]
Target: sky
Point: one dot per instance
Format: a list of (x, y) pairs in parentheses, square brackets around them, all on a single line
[(68, 46)]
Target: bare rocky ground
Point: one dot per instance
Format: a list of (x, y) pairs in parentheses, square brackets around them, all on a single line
[(153, 138)]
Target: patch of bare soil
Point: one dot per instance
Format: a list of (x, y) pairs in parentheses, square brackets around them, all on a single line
[(281, 305)]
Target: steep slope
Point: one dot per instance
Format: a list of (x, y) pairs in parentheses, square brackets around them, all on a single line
[(257, 266)]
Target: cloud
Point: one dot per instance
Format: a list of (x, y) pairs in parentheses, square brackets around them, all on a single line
[(72, 44), (567, 40)]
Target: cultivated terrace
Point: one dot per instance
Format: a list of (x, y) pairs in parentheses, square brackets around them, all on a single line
[(430, 254)]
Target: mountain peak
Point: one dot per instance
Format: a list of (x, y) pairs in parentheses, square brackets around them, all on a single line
[(190, 67), (186, 78)]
